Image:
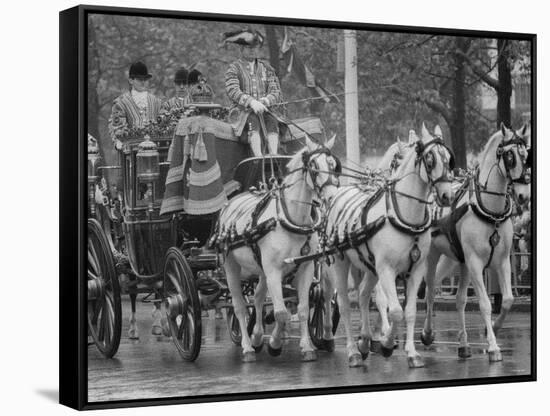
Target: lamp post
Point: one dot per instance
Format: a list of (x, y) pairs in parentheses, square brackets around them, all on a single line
[(352, 107)]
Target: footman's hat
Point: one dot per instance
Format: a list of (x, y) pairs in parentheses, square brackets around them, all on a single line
[(139, 70), (181, 76), (246, 37), (194, 77)]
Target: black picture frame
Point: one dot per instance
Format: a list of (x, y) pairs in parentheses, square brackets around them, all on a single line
[(74, 199)]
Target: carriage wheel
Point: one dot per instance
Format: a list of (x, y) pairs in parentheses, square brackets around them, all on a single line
[(182, 305), (317, 313), (104, 308)]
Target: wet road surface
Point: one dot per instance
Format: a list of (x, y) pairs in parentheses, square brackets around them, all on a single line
[(151, 367)]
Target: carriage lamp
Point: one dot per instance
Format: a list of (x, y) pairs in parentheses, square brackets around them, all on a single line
[(93, 161), (147, 166)]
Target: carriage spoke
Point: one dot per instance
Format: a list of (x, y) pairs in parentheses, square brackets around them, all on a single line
[(101, 329), (181, 326), (110, 314), (175, 282), (92, 275), (92, 262)]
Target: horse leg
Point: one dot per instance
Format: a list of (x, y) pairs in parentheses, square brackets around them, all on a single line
[(133, 330), (156, 329), (365, 291), (339, 271), (304, 279), (383, 324), (259, 299), (274, 285), (233, 277), (414, 359), (475, 270), (427, 336), (386, 276), (464, 350), (504, 280)]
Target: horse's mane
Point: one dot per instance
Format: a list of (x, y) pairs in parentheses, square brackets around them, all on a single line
[(407, 155), (296, 161), (490, 147), (388, 156), (395, 148)]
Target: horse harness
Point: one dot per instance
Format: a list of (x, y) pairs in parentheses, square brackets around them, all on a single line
[(359, 235), (255, 231), (447, 225)]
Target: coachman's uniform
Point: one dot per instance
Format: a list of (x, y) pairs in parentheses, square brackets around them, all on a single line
[(129, 111), (246, 81), (175, 103), (133, 109)]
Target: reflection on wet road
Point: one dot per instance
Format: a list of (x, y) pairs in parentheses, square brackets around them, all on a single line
[(152, 367)]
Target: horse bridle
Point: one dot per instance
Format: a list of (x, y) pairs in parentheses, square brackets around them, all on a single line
[(311, 166), (428, 159), (510, 160)]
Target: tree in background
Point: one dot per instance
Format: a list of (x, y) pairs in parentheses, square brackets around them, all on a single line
[(404, 79)]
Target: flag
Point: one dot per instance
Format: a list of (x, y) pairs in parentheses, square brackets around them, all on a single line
[(295, 65)]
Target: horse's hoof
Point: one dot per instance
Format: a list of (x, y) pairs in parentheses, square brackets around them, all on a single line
[(364, 348), (385, 351), (415, 362), (274, 352), (375, 346), (133, 334), (258, 348), (427, 337), (327, 345), (308, 356), (355, 360), (495, 356), (249, 357), (464, 352), (156, 330)]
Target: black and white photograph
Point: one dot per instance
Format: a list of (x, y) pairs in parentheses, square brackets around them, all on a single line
[(279, 207)]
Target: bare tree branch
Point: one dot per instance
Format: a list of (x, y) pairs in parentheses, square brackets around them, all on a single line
[(433, 105)]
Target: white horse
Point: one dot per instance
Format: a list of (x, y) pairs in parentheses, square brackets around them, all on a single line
[(285, 215), (387, 165), (388, 236), (477, 232)]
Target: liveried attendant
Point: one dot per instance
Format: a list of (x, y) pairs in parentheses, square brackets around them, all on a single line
[(134, 108), (252, 86), (183, 81)]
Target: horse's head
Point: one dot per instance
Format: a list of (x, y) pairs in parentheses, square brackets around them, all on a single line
[(513, 158), (321, 167), (393, 157), (317, 165), (436, 162)]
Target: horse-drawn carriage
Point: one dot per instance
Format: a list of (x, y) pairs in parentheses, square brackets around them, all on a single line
[(141, 241)]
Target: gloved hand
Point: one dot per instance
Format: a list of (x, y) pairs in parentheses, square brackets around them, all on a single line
[(257, 107)]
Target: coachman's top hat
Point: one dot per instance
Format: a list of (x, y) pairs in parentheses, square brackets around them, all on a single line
[(139, 70), (246, 37), (181, 76)]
